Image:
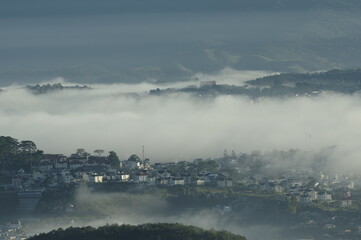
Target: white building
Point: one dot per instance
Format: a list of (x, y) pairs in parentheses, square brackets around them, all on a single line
[(124, 177), (224, 182), (345, 202), (176, 181), (92, 178), (200, 182), (46, 166), (325, 197), (66, 177), (141, 177)]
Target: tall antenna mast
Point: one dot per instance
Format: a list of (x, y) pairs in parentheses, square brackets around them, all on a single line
[(143, 153)]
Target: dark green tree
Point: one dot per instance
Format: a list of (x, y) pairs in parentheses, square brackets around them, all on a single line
[(99, 152), (15, 155), (160, 231), (114, 160), (8, 145), (134, 157), (27, 146), (81, 151), (208, 165)]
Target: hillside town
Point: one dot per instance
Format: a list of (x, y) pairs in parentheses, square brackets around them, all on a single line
[(307, 191), (302, 185)]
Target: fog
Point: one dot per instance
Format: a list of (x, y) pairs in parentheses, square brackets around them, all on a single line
[(123, 49), (125, 208), (180, 127), (97, 209)]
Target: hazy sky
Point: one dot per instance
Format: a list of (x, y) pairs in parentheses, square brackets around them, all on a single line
[(173, 39)]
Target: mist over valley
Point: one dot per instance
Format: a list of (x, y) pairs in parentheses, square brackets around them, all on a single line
[(180, 119)]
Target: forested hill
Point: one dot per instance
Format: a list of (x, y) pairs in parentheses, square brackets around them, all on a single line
[(48, 88), (161, 231), (345, 81), (283, 85)]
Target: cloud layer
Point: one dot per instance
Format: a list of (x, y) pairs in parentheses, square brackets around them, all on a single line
[(178, 127)]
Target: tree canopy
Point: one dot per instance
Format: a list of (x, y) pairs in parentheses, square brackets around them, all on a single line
[(99, 152), (114, 160), (160, 231), (15, 155), (134, 157)]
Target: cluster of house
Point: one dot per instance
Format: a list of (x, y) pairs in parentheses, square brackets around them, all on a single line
[(51, 162), (12, 231), (306, 191), (159, 174), (293, 188), (56, 169)]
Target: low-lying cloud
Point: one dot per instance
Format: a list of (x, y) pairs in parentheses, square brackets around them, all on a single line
[(178, 127), (97, 209)]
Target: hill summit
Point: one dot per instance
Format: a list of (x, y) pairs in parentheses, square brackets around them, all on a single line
[(159, 231)]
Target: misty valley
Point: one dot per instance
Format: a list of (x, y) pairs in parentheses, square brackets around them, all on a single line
[(180, 120), (293, 184), (295, 187)]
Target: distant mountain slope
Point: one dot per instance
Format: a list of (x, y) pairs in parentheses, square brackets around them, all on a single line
[(281, 85), (161, 231), (333, 78), (340, 81), (89, 41)]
